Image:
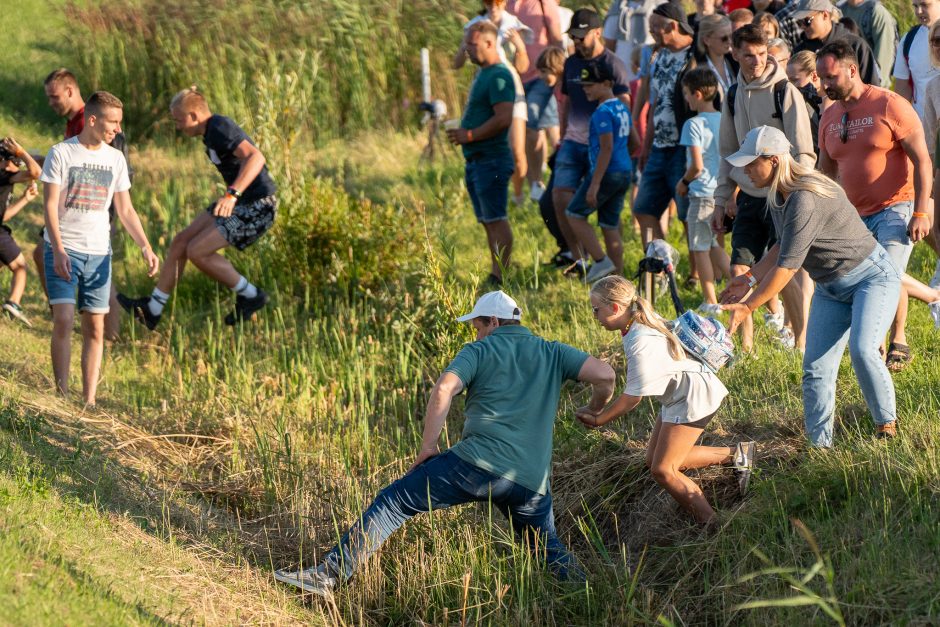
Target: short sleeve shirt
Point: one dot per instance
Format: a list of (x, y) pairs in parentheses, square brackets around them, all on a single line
[(612, 117), (918, 65), (663, 74), (6, 190), (75, 124), (492, 85), (538, 16), (873, 167), (702, 131), (579, 107), (513, 379), (687, 390), (87, 180), (222, 138)]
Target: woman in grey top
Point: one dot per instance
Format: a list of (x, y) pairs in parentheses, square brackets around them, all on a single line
[(857, 285)]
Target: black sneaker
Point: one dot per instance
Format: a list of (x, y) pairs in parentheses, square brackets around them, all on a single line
[(575, 269), (245, 308), (494, 281), (139, 309), (562, 259)]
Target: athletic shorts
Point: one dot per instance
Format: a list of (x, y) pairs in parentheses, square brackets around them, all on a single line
[(752, 233), (613, 190), (249, 221), (9, 249), (701, 237)]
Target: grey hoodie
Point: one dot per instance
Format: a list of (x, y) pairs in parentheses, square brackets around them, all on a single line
[(753, 107)]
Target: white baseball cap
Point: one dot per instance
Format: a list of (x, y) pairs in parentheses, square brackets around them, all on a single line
[(763, 141), (496, 304)]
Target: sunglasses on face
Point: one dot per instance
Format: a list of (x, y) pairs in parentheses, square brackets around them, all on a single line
[(844, 131), (806, 21)]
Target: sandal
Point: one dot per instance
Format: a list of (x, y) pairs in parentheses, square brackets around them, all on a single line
[(899, 355)]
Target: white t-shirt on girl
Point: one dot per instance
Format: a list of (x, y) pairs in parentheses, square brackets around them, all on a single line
[(687, 389), (87, 180)]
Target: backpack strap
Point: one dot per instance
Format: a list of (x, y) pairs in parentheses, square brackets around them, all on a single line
[(780, 93), (732, 92), (908, 44)]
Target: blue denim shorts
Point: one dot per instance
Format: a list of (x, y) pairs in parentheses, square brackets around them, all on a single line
[(889, 226), (610, 196), (91, 274), (541, 103), (571, 165), (487, 180), (664, 168)]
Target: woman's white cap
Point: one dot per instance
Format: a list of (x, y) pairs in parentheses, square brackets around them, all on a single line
[(763, 141), (496, 304)]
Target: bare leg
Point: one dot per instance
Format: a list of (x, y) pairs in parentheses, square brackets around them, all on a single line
[(92, 351), (175, 262), (112, 320), (18, 282), (517, 145), (613, 241), (747, 327), (693, 261), (534, 154), (649, 222), (674, 443), (796, 306), (916, 289), (588, 243), (561, 199), (705, 276), (63, 317), (40, 262), (720, 262), (499, 237), (203, 252)]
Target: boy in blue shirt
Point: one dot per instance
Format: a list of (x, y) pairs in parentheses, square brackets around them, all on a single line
[(611, 137), (700, 137)]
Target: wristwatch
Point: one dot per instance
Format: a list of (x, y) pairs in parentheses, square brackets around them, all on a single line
[(231, 191)]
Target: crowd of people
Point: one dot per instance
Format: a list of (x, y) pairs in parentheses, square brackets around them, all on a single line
[(767, 121)]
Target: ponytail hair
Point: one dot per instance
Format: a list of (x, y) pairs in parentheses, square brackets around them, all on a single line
[(616, 289)]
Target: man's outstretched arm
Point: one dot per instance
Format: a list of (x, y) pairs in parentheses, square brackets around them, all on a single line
[(447, 387)]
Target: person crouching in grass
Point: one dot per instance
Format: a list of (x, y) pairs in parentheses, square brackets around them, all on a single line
[(690, 393), (80, 178), (242, 215)]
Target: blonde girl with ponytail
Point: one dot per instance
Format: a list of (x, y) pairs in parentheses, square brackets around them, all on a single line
[(690, 394)]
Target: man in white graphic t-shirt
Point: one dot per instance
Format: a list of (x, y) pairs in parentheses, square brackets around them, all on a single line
[(80, 178)]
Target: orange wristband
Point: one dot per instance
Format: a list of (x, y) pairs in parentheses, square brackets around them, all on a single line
[(469, 135), (919, 214)]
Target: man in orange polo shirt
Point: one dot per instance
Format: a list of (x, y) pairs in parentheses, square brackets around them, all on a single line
[(873, 141)]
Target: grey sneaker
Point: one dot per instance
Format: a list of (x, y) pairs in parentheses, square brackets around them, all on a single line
[(935, 312), (935, 279), (16, 313), (744, 455), (774, 321), (599, 270), (315, 579)]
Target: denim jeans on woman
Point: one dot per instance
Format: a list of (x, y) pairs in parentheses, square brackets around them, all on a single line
[(444, 481), (864, 300)]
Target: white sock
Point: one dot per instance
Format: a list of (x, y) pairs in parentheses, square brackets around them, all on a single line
[(245, 289), (157, 301)]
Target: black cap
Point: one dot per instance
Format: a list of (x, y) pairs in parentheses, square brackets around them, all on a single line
[(6, 155), (595, 73), (672, 11), (584, 20)]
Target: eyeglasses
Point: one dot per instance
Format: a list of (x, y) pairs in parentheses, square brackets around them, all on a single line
[(595, 310), (844, 131), (806, 21)]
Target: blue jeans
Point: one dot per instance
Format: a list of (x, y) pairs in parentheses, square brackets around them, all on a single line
[(444, 481), (664, 168), (864, 300), (540, 101), (572, 164), (889, 226), (487, 180), (610, 197), (90, 275)]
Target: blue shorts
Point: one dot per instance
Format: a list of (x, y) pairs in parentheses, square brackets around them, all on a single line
[(541, 103), (610, 197), (889, 226), (571, 165), (664, 169), (91, 274), (487, 180)]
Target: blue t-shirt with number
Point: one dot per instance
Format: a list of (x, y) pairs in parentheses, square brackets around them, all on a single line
[(611, 117)]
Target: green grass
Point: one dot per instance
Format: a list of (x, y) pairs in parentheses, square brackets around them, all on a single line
[(215, 456)]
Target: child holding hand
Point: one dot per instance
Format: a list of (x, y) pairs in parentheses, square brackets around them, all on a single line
[(690, 393)]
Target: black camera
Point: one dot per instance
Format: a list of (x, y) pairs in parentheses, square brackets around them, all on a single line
[(6, 155)]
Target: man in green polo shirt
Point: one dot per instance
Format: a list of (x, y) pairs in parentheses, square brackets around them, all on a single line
[(513, 379)]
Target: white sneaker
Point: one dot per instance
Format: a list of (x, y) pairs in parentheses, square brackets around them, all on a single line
[(599, 270), (316, 580), (536, 191), (774, 321), (518, 200), (710, 309), (935, 312), (786, 338), (16, 313), (935, 280)]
